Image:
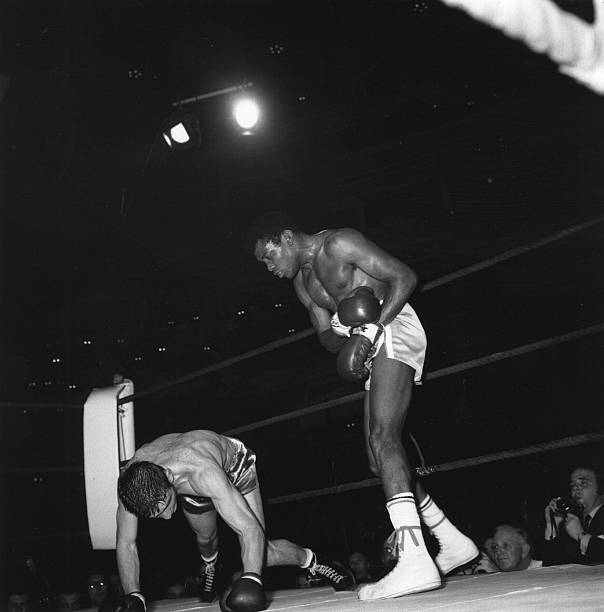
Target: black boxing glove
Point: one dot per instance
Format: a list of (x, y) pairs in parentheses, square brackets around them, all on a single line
[(359, 308), (244, 595), (352, 358), (133, 602)]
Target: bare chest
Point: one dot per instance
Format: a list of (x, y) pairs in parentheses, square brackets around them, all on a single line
[(328, 281)]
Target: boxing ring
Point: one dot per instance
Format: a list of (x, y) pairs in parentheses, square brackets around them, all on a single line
[(108, 416), (576, 585), (563, 587)]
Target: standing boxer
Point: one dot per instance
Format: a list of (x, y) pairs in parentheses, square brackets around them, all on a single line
[(357, 299), (206, 473)]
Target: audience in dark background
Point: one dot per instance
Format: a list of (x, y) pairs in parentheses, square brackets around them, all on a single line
[(359, 565), (97, 590), (69, 600), (18, 602)]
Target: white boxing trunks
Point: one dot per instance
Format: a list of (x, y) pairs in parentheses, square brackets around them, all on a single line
[(404, 339)]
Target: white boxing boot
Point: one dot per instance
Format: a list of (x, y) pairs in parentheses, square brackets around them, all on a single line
[(455, 548), (415, 571)]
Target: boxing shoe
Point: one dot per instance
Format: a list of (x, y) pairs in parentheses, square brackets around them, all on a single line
[(414, 572), (456, 549), (335, 574), (207, 584)]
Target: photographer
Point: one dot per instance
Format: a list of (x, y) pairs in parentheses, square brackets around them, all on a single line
[(574, 527)]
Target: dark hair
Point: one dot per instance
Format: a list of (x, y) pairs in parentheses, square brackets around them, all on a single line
[(141, 487), (268, 227)]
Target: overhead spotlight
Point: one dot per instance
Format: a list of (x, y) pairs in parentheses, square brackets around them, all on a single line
[(182, 132), (247, 114)]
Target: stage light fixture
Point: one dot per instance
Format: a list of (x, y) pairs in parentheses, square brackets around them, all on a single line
[(182, 132), (247, 114)]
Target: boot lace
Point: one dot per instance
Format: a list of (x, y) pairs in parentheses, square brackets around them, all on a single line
[(326, 570), (209, 573)]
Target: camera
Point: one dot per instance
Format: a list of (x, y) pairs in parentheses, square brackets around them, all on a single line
[(566, 505)]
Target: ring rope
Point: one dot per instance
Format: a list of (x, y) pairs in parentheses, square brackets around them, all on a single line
[(219, 366), (44, 469), (26, 405), (309, 332), (459, 367), (567, 442), (487, 263), (514, 352), (451, 465), (575, 45)]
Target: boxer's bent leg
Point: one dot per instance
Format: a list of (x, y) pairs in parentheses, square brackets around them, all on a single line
[(206, 534), (284, 552), (278, 552)]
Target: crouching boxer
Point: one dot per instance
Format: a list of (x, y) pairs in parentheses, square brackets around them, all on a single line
[(206, 474), (357, 299)]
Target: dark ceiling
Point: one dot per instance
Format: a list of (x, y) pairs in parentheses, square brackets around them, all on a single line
[(444, 141)]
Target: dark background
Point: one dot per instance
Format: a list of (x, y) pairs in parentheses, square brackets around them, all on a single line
[(441, 139)]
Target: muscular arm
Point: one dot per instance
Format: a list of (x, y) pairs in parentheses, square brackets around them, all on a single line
[(127, 551), (352, 248), (233, 508)]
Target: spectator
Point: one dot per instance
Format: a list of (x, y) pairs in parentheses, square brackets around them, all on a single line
[(97, 589), (510, 549), (574, 528), (176, 590), (305, 580), (357, 562), (69, 600), (24, 575), (486, 560), (18, 602)]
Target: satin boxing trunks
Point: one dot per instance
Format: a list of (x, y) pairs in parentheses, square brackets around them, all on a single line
[(241, 472), (404, 339)]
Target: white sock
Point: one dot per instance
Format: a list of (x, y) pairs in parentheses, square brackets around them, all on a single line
[(405, 520), (402, 510), (455, 548), (431, 514), (310, 555), (210, 560)]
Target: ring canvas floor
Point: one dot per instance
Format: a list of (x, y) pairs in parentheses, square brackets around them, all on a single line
[(561, 588)]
